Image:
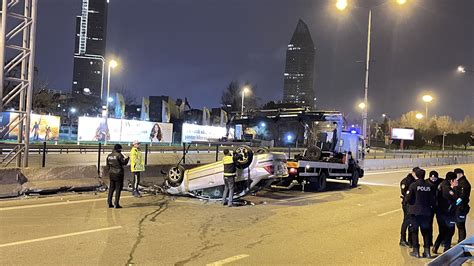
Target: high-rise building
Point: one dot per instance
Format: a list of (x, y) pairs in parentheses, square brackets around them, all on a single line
[(299, 69), (89, 52)]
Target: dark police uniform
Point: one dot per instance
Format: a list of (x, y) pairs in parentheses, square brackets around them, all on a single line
[(420, 200), (404, 185), (434, 188), (445, 215), (230, 171), (463, 190), (116, 161)]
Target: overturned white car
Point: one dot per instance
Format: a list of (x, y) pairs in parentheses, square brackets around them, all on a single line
[(255, 172)]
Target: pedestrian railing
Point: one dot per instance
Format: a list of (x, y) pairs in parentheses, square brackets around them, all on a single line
[(456, 255)]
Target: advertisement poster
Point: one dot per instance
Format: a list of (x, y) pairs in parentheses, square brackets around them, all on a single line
[(165, 112), (121, 130), (42, 127), (119, 106), (192, 132), (145, 111), (403, 133)]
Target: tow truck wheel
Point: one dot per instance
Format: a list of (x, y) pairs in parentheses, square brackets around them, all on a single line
[(175, 176), (246, 156), (354, 179), (319, 183)]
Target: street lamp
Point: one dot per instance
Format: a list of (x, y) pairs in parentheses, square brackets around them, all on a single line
[(419, 116), (462, 70), (342, 5), (427, 99), (112, 64), (245, 90)]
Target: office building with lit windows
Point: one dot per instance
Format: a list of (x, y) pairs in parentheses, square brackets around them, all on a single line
[(89, 51), (299, 70)]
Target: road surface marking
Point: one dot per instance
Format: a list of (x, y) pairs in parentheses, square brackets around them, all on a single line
[(56, 204), (377, 184), (58, 236), (228, 260), (390, 212)]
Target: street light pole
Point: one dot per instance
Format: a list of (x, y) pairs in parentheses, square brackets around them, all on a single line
[(243, 97), (366, 87)]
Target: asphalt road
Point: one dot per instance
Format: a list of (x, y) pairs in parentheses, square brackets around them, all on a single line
[(340, 226)]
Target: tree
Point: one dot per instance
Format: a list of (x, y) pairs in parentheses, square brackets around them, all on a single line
[(128, 96), (270, 105), (231, 98)]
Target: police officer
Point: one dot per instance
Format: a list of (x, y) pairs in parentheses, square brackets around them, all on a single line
[(462, 205), (404, 185), (445, 214), (434, 181), (420, 201), (230, 171), (115, 162)]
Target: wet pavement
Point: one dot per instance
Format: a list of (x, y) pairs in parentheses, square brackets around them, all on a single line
[(339, 226)]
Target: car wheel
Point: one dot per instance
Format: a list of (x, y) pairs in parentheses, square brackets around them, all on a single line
[(312, 153), (246, 156), (175, 176), (354, 179)]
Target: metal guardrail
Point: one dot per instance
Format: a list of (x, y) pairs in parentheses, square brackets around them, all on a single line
[(456, 255)]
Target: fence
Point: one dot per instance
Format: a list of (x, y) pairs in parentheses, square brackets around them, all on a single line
[(47, 154)]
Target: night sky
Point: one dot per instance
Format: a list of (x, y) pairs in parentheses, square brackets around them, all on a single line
[(194, 48)]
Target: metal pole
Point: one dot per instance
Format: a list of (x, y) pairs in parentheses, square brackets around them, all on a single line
[(31, 72), (366, 89), (184, 153), (108, 91), (146, 154), (217, 153), (444, 134), (426, 111), (98, 159), (3, 28), (43, 164), (243, 97)]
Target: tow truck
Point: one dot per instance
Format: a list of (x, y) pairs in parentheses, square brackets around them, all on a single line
[(330, 152)]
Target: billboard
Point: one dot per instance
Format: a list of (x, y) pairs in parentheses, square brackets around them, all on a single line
[(121, 130), (192, 132), (119, 106), (145, 110), (403, 133), (42, 127)]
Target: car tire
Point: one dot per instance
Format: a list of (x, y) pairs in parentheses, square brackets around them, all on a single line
[(354, 179), (175, 176), (312, 153), (246, 156)]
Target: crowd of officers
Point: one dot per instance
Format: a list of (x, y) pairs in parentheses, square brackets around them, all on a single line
[(423, 200)]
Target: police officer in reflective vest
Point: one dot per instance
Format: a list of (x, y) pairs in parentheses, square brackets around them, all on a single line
[(230, 171), (420, 201)]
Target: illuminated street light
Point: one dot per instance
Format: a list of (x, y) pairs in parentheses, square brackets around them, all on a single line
[(73, 110), (362, 106), (245, 90), (110, 99), (341, 4), (461, 69), (112, 64), (427, 99), (401, 2), (419, 116)]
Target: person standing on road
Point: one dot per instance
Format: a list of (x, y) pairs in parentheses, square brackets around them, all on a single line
[(445, 215), (115, 162), (434, 181), (404, 185), (230, 171), (420, 206), (462, 204), (137, 165)]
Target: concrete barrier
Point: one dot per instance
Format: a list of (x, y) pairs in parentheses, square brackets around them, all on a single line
[(66, 178), (10, 182), (382, 164)]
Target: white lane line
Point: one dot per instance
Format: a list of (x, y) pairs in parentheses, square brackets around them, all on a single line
[(58, 236), (377, 184), (228, 260), (56, 204), (390, 212)]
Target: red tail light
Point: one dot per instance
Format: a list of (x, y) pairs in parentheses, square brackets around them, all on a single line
[(269, 169), (293, 170)]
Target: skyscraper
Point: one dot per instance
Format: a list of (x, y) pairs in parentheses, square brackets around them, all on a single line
[(89, 51), (299, 69)]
